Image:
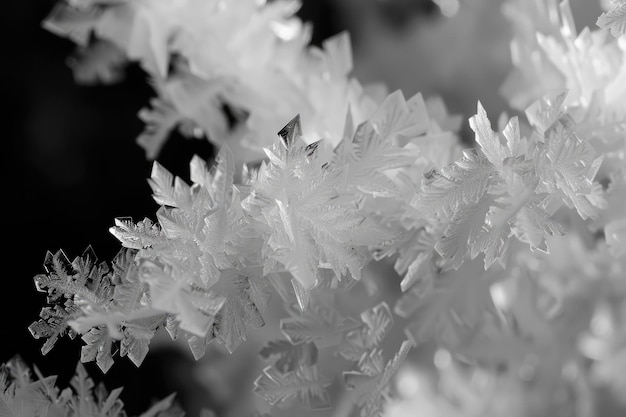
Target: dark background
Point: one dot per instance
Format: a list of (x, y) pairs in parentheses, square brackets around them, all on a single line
[(71, 165)]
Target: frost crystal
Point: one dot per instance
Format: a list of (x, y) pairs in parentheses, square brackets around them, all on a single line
[(204, 57), (508, 257), (312, 224), (511, 185), (371, 380), (614, 20), (303, 384), (105, 304), (23, 396)]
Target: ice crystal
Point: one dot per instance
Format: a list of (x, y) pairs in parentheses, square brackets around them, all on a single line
[(511, 188), (614, 19), (374, 149), (377, 322), (371, 380), (321, 324), (549, 55), (104, 304), (246, 298), (362, 178), (402, 141), (54, 323), (303, 384), (312, 223), (205, 56), (23, 396), (204, 249)]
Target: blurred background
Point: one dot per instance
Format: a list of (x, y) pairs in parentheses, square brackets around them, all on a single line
[(71, 164)]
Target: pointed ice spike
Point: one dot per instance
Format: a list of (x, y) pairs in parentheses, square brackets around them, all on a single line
[(58, 264), (48, 264), (303, 295), (291, 132), (89, 255)]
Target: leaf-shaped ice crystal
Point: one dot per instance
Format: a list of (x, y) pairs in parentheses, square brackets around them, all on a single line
[(174, 292), (303, 384), (22, 396), (371, 380), (105, 304), (377, 322), (245, 299), (511, 185), (614, 20), (311, 223), (321, 324)]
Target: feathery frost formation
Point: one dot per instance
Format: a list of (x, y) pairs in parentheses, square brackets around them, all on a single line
[(305, 219), (510, 255), (21, 395), (549, 55), (232, 71)]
